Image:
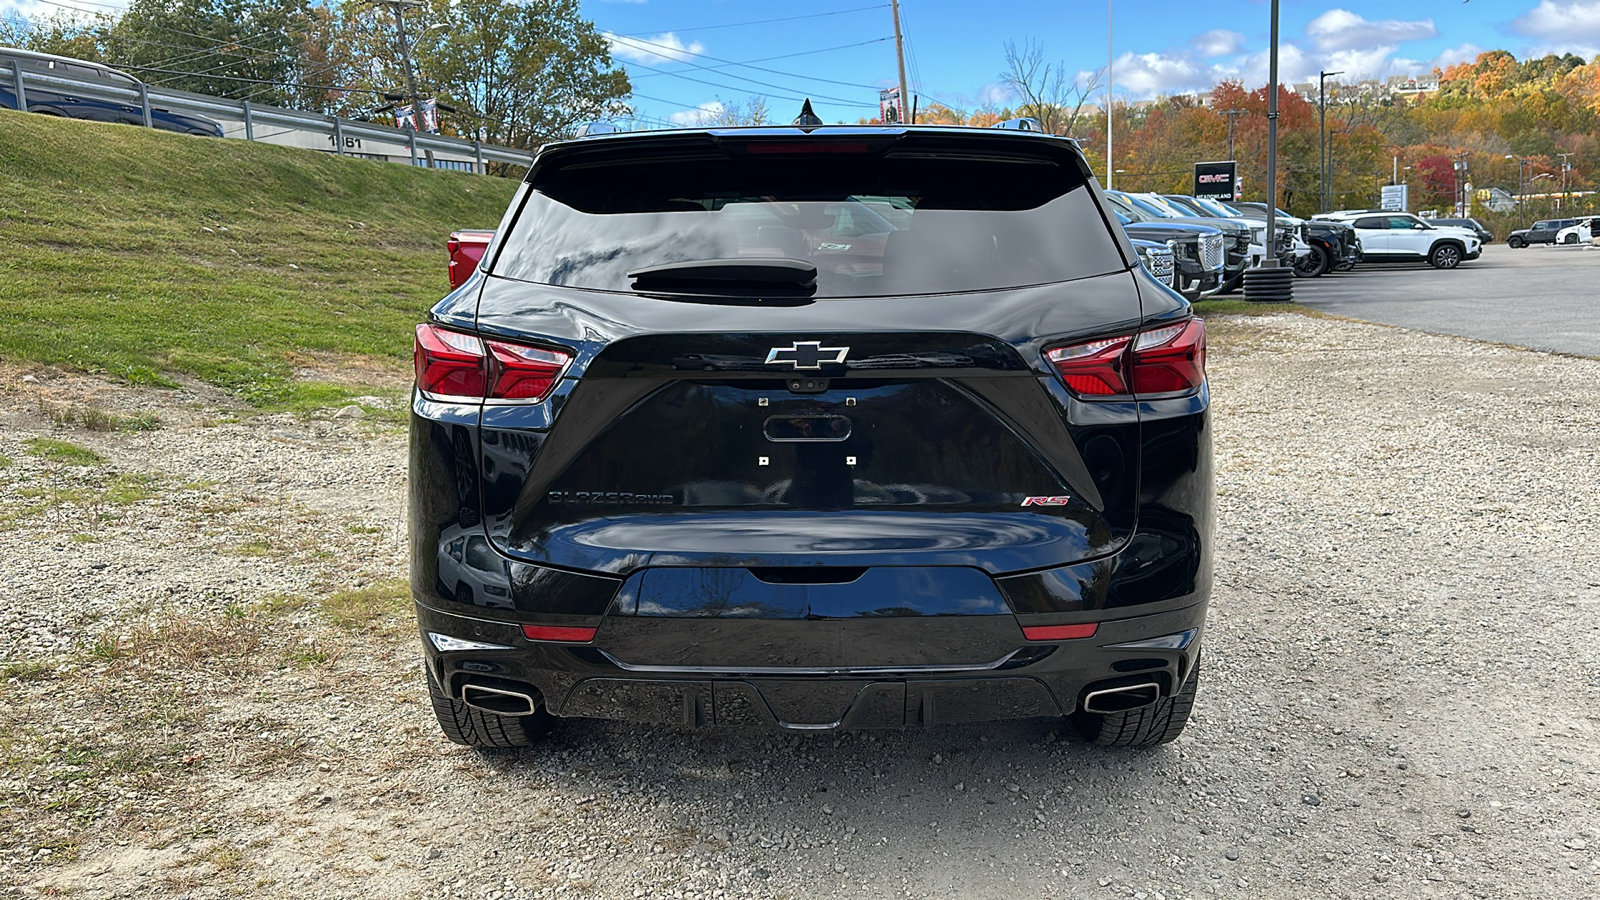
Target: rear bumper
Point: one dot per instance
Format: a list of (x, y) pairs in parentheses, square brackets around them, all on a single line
[(1034, 680)]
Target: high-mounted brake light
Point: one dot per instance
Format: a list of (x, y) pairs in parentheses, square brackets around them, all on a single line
[(564, 633), (807, 147), (1170, 359), (451, 365)]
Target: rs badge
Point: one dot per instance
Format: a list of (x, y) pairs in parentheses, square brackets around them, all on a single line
[(1046, 501)]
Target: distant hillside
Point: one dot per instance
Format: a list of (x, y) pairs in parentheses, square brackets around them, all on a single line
[(143, 253)]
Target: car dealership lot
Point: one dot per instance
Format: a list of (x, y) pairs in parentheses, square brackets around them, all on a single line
[(1540, 297), (1401, 693)]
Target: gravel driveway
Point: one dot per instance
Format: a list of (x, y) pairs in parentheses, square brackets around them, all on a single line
[(212, 688)]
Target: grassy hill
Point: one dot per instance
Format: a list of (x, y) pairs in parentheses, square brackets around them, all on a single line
[(145, 254)]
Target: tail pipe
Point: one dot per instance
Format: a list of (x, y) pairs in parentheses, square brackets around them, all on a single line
[(1120, 698), (501, 701)]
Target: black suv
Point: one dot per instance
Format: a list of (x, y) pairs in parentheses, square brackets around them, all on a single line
[(1542, 232), (811, 427)]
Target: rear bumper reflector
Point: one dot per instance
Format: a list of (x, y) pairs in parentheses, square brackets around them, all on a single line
[(563, 633), (1060, 632)]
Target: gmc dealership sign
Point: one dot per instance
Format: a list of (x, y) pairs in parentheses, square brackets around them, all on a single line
[(1215, 179)]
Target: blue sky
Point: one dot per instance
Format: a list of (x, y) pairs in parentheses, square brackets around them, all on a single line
[(957, 48), (839, 52)]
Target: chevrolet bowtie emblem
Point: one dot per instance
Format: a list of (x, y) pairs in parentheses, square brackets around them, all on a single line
[(807, 355)]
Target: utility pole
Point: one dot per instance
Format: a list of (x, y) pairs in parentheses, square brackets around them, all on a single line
[(1232, 114), (399, 7), (1322, 138), (900, 56)]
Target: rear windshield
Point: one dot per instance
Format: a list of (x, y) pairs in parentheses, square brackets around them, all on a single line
[(872, 224)]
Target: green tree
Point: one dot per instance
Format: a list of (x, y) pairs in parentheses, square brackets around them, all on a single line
[(243, 49), (521, 73)]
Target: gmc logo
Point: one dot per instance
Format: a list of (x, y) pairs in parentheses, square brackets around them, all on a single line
[(1046, 501)]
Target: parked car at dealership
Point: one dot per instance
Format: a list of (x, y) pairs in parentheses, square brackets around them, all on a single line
[(1580, 232), (1543, 231), (1196, 251), (1157, 259), (62, 101), (1236, 236), (1484, 234), (1328, 246), (1402, 237)]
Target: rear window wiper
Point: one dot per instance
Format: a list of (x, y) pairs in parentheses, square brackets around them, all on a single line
[(728, 277)]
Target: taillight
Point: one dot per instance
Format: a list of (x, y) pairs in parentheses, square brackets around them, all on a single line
[(524, 373), (456, 366), (1170, 359), (450, 364), (1166, 360)]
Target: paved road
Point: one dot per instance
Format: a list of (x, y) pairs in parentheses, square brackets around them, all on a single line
[(1539, 297)]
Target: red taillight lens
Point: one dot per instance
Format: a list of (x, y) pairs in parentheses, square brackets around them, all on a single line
[(456, 366), (1060, 632), (1094, 369), (450, 364), (524, 373), (564, 633), (1170, 359), (1165, 360)]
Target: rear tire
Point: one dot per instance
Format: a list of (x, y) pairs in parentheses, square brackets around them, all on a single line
[(1313, 264), (1149, 726), (472, 727)]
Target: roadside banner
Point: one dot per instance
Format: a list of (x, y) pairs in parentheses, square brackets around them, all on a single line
[(1215, 179), (891, 107)]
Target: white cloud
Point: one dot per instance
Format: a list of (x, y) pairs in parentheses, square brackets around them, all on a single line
[(993, 94), (1340, 29), (1561, 20), (698, 116), (661, 48), (1450, 56), (1148, 74), (1562, 26), (1337, 40), (1217, 42)]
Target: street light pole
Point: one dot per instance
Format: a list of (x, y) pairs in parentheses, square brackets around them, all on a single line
[(1322, 138), (1566, 167), (1111, 58), (1269, 282)]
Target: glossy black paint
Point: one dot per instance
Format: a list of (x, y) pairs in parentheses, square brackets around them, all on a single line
[(875, 571)]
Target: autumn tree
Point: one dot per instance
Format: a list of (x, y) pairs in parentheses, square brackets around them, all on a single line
[(1050, 92)]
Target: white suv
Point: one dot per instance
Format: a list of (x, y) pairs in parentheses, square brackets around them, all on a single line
[(1580, 233), (1402, 237)]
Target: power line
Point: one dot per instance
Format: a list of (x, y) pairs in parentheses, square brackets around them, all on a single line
[(837, 12), (729, 87), (748, 64), (765, 84)]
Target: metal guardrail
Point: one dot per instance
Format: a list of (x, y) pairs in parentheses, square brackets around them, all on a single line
[(286, 127)]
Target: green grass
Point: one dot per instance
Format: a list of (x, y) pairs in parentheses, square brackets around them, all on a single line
[(1238, 307), (148, 255), (62, 452)]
